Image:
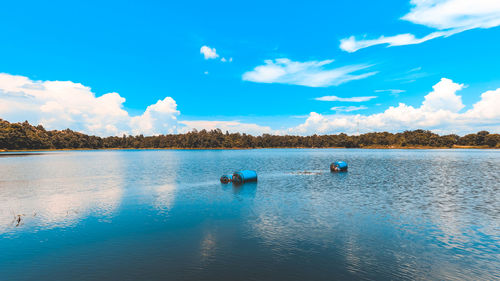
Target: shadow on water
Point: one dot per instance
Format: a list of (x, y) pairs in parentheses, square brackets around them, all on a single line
[(340, 175), (248, 189)]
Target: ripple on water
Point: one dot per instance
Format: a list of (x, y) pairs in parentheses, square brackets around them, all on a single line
[(397, 214)]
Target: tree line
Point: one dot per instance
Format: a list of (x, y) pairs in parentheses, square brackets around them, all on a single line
[(21, 136)]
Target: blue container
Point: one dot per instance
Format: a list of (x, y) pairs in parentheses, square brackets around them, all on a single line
[(339, 166), (244, 176), (226, 178)]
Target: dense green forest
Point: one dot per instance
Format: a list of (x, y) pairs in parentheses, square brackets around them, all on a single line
[(19, 136)]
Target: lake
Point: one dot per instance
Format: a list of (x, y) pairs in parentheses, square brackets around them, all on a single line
[(164, 215)]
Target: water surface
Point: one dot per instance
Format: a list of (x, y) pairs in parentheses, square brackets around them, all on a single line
[(163, 215)]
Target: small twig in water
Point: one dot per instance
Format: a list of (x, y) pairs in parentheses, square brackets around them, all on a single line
[(18, 219)]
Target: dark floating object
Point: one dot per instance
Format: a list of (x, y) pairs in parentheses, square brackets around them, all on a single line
[(18, 219), (339, 166), (244, 176), (226, 178)]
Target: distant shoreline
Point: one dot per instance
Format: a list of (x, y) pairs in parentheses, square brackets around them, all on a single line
[(26, 137), (248, 148)]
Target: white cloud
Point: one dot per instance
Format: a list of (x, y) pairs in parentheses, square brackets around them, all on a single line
[(392, 91), (351, 99), (351, 44), (448, 17), (487, 109), (455, 14), (440, 111), (230, 126), (65, 104), (443, 97), (223, 60), (309, 73), (209, 53), (348, 108), (158, 118)]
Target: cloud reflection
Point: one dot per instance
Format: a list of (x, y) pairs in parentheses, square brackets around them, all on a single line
[(164, 197), (59, 194)]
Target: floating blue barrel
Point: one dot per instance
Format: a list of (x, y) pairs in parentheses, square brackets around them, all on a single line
[(226, 178), (339, 166), (244, 176)]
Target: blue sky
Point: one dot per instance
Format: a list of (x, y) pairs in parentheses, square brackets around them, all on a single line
[(285, 70)]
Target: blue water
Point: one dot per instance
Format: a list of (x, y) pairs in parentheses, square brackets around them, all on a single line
[(163, 215)]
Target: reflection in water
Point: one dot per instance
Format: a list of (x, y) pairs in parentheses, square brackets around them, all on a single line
[(426, 199), (240, 191), (158, 180), (163, 215), (208, 247), (353, 254), (58, 196), (164, 197)]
